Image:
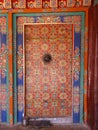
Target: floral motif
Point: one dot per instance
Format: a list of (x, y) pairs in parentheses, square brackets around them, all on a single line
[(7, 4), (3, 55), (77, 3), (16, 5), (3, 25), (76, 90), (62, 3), (31, 4), (53, 3), (76, 99), (76, 109), (76, 63), (46, 96), (62, 95), (62, 47), (46, 3), (20, 61)]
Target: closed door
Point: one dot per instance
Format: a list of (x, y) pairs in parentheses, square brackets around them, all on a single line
[(48, 70)]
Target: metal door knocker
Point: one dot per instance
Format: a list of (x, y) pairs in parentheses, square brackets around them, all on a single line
[(47, 58)]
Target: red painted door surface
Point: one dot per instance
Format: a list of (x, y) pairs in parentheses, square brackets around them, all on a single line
[(48, 85)]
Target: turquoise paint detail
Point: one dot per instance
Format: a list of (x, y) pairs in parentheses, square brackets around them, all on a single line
[(82, 70), (7, 73), (82, 14), (4, 15), (14, 70), (49, 14)]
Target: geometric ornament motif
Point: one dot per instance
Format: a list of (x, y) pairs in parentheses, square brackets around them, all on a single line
[(49, 85)]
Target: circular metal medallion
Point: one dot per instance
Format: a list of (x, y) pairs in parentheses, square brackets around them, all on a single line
[(47, 58)]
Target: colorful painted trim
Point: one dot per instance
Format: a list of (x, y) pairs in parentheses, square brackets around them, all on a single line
[(19, 20), (4, 70), (36, 4)]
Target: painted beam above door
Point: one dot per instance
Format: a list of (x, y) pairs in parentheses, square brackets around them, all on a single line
[(33, 4)]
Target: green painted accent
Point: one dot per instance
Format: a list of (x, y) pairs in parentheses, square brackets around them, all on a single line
[(49, 14), (7, 74), (82, 69), (14, 69), (82, 14), (4, 15)]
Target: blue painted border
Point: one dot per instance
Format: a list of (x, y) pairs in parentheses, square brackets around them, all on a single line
[(5, 114)]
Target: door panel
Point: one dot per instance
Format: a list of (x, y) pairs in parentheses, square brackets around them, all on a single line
[(48, 84)]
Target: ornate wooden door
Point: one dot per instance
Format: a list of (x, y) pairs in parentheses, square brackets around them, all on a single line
[(48, 81)]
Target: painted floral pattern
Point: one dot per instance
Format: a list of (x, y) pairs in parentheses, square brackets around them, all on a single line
[(3, 54), (56, 74), (4, 99), (76, 62), (20, 61), (7, 4)]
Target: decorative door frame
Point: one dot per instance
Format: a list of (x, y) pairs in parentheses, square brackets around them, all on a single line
[(83, 56)]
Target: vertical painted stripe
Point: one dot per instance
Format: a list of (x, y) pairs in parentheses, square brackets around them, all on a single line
[(3, 116), (7, 73), (85, 66), (10, 62), (82, 71), (76, 83), (14, 69)]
